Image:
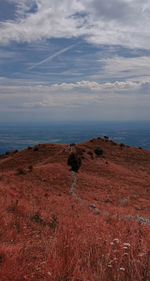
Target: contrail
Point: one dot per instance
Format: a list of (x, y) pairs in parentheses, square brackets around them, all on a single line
[(53, 56)]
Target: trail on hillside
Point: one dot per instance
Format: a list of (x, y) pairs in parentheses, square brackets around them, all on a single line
[(73, 185), (93, 206)]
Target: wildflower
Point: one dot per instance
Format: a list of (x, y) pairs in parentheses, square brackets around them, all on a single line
[(111, 243), (109, 265), (126, 244), (126, 248), (125, 254), (122, 268), (116, 240)]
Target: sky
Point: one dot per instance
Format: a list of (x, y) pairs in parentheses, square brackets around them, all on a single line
[(74, 60)]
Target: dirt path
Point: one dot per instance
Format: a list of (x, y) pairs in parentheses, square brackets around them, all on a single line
[(93, 206)]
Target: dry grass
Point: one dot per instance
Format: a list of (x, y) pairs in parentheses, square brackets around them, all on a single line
[(63, 240)]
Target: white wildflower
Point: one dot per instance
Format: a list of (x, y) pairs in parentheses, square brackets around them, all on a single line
[(111, 243), (122, 268), (125, 254), (109, 265), (116, 240), (127, 244)]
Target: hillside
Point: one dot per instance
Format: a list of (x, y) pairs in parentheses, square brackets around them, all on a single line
[(88, 220)]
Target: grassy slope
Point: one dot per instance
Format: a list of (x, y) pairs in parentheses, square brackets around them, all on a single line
[(45, 234)]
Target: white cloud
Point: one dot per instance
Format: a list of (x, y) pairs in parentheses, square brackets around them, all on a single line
[(92, 86), (81, 100), (122, 22), (117, 66)]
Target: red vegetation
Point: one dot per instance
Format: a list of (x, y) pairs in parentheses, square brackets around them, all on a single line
[(47, 234)]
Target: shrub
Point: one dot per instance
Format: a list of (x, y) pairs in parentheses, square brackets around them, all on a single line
[(20, 171), (74, 161), (36, 148), (72, 144), (122, 145), (29, 147), (30, 168), (98, 151)]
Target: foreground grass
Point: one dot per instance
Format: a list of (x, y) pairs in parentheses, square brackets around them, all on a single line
[(60, 240)]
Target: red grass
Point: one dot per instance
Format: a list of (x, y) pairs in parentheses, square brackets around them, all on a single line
[(45, 234), (71, 243)]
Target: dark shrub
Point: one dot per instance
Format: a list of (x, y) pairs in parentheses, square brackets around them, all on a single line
[(20, 171), (106, 138), (72, 144), (122, 145), (29, 147), (37, 218), (36, 148), (98, 151), (74, 161), (30, 168)]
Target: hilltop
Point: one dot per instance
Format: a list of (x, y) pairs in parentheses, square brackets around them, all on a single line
[(75, 212)]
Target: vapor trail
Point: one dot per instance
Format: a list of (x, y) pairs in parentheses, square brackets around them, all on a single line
[(49, 58)]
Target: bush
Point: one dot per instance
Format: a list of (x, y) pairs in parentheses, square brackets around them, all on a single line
[(72, 144), (20, 171), (98, 151), (74, 161), (122, 145), (30, 168), (29, 147)]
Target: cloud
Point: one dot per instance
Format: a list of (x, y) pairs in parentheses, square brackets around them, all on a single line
[(84, 86), (112, 22), (137, 66), (81, 100)]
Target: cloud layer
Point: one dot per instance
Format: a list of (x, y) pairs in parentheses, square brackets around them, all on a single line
[(80, 100), (112, 22)]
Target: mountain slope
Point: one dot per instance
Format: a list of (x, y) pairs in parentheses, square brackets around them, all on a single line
[(58, 224)]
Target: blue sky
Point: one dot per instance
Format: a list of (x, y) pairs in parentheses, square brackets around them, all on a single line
[(74, 60)]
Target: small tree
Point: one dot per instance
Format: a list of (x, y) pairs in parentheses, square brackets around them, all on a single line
[(98, 151), (74, 161)]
